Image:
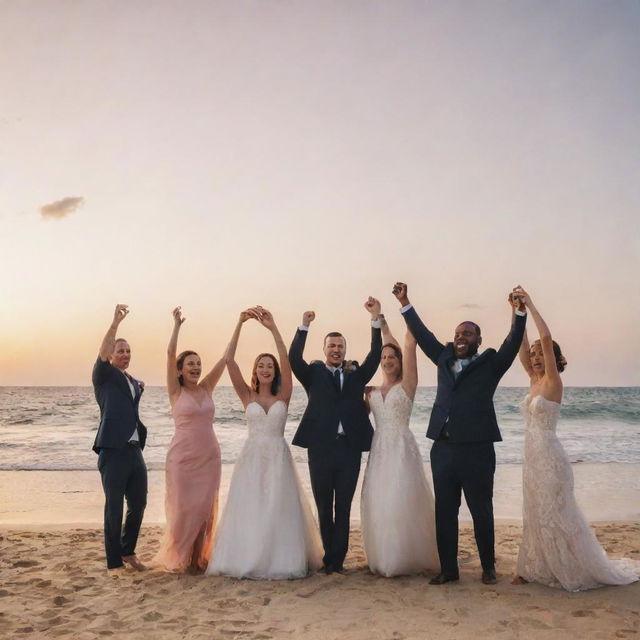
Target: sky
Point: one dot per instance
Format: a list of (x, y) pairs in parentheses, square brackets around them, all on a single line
[(305, 155)]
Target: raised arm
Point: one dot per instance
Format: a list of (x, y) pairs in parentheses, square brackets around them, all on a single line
[(429, 344), (509, 349), (109, 340), (242, 388), (265, 317), (173, 385), (409, 365), (387, 336), (300, 368), (371, 362), (523, 352), (551, 376)]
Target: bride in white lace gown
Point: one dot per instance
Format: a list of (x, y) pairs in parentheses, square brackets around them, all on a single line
[(559, 548), (267, 530), (397, 506)]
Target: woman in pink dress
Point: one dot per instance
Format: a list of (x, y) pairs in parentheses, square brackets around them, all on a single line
[(193, 462)]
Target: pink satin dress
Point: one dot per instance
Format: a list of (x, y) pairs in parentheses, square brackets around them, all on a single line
[(192, 481)]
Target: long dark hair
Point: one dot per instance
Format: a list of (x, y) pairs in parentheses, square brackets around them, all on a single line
[(277, 377), (180, 363)]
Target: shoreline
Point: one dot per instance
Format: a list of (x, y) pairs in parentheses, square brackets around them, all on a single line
[(605, 491)]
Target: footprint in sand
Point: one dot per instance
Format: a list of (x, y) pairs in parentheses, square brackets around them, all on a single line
[(25, 563), (152, 616)]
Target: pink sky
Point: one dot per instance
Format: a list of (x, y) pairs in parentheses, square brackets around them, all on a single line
[(304, 155)]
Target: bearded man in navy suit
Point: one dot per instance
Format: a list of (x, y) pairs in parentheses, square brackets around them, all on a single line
[(335, 427), (119, 443), (463, 426)]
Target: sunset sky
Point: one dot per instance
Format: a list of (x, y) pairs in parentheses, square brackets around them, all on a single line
[(306, 154)]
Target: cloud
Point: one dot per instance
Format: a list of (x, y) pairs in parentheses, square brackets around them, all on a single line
[(61, 208), (471, 305)]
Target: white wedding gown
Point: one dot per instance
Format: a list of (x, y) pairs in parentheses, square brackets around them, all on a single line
[(267, 530), (559, 548), (397, 507)]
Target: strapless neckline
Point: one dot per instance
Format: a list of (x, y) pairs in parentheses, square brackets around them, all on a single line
[(266, 412)]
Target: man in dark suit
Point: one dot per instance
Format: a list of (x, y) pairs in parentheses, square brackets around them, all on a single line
[(119, 443), (463, 426), (335, 428)]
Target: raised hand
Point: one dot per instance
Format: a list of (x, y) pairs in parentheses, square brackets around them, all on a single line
[(265, 317), (400, 292), (373, 307), (246, 314), (518, 298), (120, 313), (308, 317), (178, 318)]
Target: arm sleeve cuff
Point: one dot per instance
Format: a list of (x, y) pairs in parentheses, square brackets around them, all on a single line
[(376, 324), (520, 313), (406, 308), (303, 328)]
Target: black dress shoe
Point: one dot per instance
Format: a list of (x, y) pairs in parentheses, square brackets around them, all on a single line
[(489, 577), (328, 569), (443, 578)]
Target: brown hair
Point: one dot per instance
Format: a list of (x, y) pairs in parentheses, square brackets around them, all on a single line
[(397, 351), (277, 377), (561, 361), (180, 363)]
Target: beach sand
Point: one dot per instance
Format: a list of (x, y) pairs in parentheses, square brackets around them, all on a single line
[(54, 585)]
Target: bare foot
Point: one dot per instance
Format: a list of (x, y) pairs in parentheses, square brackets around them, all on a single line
[(519, 580), (134, 562)]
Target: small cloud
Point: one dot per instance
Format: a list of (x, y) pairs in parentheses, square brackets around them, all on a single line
[(61, 208), (471, 305)]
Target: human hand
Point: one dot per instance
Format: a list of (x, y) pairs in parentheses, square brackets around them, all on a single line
[(264, 317), (373, 307), (120, 313), (178, 318), (518, 298), (245, 315), (308, 317), (400, 292)]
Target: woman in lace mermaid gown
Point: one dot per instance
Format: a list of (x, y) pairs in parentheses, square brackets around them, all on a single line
[(192, 469), (559, 548), (397, 506), (267, 529)]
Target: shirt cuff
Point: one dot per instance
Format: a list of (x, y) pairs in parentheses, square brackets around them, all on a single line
[(406, 308), (520, 313), (303, 328), (376, 324)]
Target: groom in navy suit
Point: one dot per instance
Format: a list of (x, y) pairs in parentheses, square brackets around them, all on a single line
[(335, 428), (463, 426), (119, 443)]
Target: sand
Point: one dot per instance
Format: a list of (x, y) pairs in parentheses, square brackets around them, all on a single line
[(53, 584)]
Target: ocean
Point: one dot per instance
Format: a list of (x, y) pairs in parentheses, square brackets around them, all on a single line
[(53, 428)]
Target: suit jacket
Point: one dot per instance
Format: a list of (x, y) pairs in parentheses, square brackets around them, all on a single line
[(465, 403), (118, 409), (328, 405)]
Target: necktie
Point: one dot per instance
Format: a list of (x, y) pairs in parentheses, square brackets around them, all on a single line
[(336, 377)]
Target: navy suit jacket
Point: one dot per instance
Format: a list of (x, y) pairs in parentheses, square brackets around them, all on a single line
[(465, 403), (118, 409), (329, 405)]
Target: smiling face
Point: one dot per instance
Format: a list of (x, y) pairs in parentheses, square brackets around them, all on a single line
[(265, 370), (390, 362), (121, 355), (466, 340), (191, 369), (266, 374), (537, 358), (335, 349)]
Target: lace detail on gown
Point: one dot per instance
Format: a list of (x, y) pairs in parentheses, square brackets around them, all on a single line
[(267, 529), (558, 547), (397, 506)]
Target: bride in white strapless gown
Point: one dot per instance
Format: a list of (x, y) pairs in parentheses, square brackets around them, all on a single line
[(267, 530), (559, 548), (397, 506)]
